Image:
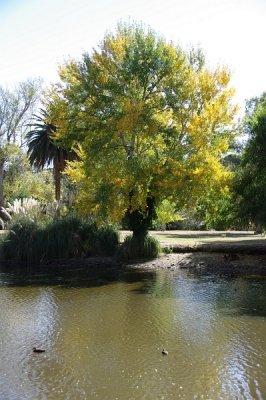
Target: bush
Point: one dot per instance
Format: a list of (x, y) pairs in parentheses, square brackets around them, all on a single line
[(144, 247)]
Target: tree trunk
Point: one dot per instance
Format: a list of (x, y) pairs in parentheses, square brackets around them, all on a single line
[(2, 162), (57, 182), (58, 168), (2, 200), (258, 228), (140, 222)]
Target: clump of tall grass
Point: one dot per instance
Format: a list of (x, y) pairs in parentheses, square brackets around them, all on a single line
[(146, 247), (21, 209), (28, 209), (23, 242), (62, 238), (28, 241), (100, 241)]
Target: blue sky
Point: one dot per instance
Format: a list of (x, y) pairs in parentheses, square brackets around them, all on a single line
[(37, 35)]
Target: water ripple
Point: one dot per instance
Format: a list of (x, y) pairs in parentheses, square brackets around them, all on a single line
[(105, 340)]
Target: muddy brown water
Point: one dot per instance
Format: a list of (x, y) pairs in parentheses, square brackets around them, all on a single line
[(104, 336)]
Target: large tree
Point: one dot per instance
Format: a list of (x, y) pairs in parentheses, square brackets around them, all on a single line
[(151, 122)]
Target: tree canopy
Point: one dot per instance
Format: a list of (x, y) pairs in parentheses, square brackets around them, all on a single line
[(150, 121)]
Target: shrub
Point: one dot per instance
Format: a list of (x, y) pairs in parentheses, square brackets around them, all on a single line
[(144, 247)]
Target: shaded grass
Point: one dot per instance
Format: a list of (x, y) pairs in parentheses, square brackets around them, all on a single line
[(193, 237)]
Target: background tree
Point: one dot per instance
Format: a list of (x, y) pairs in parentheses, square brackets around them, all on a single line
[(44, 150), (219, 209), (165, 213), (151, 122), (16, 108), (250, 181), (21, 182)]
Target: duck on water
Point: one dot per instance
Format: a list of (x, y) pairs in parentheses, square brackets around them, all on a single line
[(35, 350)]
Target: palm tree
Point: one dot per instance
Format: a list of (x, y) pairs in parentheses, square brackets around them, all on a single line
[(44, 150)]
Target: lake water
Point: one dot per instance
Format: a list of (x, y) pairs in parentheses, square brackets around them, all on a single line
[(104, 337)]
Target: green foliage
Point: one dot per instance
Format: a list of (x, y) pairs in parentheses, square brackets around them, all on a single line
[(139, 248), (28, 241), (38, 185), (218, 211), (249, 185)]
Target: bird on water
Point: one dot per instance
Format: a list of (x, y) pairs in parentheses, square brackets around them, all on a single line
[(35, 350), (165, 352)]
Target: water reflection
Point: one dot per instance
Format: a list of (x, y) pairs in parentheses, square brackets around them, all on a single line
[(103, 337)]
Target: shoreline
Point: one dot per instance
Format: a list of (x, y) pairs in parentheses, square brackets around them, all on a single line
[(221, 263), (207, 263), (239, 253), (229, 252)]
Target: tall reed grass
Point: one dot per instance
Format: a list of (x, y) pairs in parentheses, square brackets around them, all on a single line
[(146, 247), (28, 241)]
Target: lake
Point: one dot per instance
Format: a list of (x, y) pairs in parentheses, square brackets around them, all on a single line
[(103, 337)]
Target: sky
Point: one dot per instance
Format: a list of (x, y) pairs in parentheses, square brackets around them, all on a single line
[(38, 35)]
